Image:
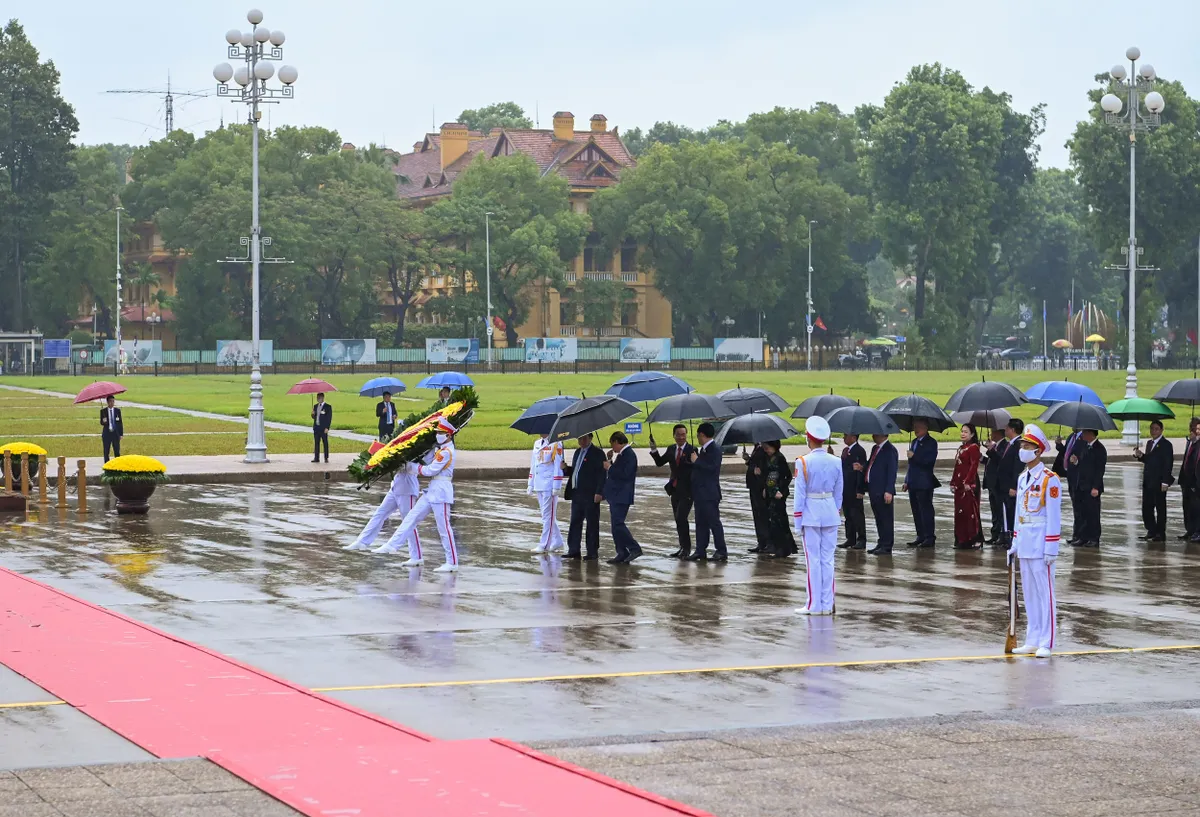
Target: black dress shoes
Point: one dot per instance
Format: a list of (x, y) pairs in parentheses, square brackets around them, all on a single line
[(629, 558), (914, 543), (1184, 535), (757, 549), (590, 558), (616, 560), (698, 557), (677, 554), (880, 551), (858, 546), (573, 556), (1146, 537), (844, 545), (720, 557), (928, 543)]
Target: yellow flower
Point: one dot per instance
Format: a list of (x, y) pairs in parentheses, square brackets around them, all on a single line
[(135, 464), (17, 449)]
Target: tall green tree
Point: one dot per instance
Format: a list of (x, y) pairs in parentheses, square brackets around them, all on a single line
[(534, 231), (36, 129), (496, 115)]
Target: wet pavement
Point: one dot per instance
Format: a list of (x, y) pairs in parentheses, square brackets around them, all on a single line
[(256, 572)]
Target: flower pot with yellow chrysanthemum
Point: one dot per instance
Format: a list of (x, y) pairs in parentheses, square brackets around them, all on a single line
[(15, 451), (132, 480)]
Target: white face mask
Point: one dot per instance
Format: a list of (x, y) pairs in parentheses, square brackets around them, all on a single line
[(1027, 456), (441, 438)]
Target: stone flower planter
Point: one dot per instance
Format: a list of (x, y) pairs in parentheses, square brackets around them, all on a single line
[(132, 480), (133, 496)]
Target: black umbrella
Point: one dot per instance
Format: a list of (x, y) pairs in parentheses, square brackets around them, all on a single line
[(820, 405), (689, 407), (1180, 391), (1078, 415), (751, 400), (984, 395), (541, 416), (861, 420), (992, 418), (908, 407), (589, 414), (754, 428)]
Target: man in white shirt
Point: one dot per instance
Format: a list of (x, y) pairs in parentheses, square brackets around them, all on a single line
[(438, 499), (112, 429), (401, 498), (545, 480), (817, 489)]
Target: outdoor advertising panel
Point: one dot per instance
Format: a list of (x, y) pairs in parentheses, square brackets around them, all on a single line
[(343, 351), (737, 350), (452, 350), (646, 350), (56, 349), (551, 350), (137, 352), (241, 352)]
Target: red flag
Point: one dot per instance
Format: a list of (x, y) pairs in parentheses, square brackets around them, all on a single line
[(499, 323), (820, 324), (1191, 336)]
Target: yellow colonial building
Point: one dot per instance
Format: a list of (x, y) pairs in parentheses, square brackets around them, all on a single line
[(589, 160)]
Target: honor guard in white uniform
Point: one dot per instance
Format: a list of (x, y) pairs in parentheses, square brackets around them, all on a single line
[(401, 498), (546, 480), (1035, 543), (817, 489), (438, 499)]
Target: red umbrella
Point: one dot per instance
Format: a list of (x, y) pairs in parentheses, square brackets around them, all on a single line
[(311, 385), (98, 391)]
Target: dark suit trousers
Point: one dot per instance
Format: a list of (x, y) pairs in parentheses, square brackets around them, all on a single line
[(758, 510), (1154, 510), (856, 520), (885, 521), (1090, 506), (622, 538), (111, 441), (708, 523), (584, 509), (386, 430), (1189, 510), (681, 508), (1010, 511), (320, 435), (921, 501), (996, 503)]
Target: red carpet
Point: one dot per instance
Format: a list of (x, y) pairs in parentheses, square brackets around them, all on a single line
[(318, 755)]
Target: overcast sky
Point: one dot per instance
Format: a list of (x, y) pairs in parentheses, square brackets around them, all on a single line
[(385, 71)]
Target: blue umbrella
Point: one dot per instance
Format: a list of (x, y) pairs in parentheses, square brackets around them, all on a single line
[(1049, 392), (641, 387), (376, 386), (451, 379), (540, 417)]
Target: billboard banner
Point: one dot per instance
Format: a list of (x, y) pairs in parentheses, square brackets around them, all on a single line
[(133, 353), (551, 350), (241, 352), (344, 351), (56, 349), (737, 350), (452, 350), (646, 350)]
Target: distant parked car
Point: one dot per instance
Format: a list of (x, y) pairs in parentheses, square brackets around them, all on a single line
[(855, 361), (1014, 354)]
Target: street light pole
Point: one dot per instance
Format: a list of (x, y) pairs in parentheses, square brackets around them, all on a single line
[(808, 324), (487, 237), (251, 48), (1139, 86), (120, 297)]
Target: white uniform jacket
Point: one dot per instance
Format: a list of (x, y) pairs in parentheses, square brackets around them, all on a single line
[(817, 490), (545, 467), (439, 467), (405, 481), (1039, 513)]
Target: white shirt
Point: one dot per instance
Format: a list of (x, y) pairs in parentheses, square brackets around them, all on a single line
[(112, 412), (389, 412), (1038, 521), (439, 467), (405, 482), (545, 466), (818, 490)]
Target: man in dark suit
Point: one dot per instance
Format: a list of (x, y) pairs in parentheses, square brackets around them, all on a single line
[(1158, 463), (1010, 471), (881, 488), (919, 482), (585, 478), (679, 486), (854, 465), (1069, 454), (756, 483), (706, 494), (322, 417), (621, 467), (1093, 458), (111, 427), (1188, 481), (991, 476), (386, 412)]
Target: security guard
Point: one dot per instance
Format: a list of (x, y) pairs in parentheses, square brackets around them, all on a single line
[(438, 499), (817, 489), (1036, 536), (546, 480)]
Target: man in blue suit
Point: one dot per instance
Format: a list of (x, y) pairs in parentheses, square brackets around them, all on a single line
[(919, 482), (706, 496), (881, 488), (621, 467), (585, 488)]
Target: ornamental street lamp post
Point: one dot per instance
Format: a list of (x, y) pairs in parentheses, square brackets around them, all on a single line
[(1139, 88), (257, 48), (808, 324)]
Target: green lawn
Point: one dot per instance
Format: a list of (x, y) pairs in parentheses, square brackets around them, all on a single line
[(502, 397)]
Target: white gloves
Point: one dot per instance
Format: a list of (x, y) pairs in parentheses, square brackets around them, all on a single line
[(1050, 560), (1012, 551)]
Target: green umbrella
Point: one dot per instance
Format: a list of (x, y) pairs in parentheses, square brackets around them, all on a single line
[(1139, 408)]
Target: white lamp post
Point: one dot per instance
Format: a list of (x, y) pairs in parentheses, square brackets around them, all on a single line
[(487, 237), (808, 324), (120, 297), (256, 48), (1139, 86)]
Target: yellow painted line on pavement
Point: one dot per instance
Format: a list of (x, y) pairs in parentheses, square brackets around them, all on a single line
[(32, 704), (873, 662)]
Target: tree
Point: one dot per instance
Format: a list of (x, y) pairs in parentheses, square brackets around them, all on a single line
[(407, 250), (496, 115), (600, 302), (534, 231), (36, 129), (822, 132)]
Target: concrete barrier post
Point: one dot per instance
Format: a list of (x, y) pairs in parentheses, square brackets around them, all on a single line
[(42, 490), (25, 475), (81, 486), (7, 471), (62, 483)]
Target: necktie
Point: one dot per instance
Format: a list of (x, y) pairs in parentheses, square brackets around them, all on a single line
[(1150, 445), (675, 470), (575, 468), (111, 427), (874, 452)]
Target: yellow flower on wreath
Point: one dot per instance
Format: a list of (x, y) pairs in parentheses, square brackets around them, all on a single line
[(17, 449), (135, 464), (407, 438)]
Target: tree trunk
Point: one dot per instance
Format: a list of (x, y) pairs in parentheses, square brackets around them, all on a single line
[(510, 330), (19, 301), (401, 313)]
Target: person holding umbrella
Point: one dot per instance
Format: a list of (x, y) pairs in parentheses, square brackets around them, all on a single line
[(585, 489), (1091, 460), (854, 466), (1010, 471), (679, 486), (817, 510), (1159, 462), (881, 489), (1035, 543), (545, 480), (1189, 484), (706, 494), (776, 480), (964, 484), (919, 482), (621, 467), (991, 481), (756, 485), (112, 428), (322, 417), (385, 411)]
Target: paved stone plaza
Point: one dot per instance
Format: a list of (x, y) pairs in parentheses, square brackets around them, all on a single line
[(693, 681)]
